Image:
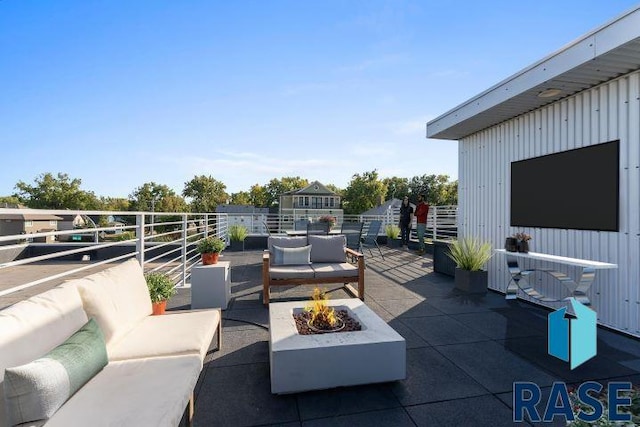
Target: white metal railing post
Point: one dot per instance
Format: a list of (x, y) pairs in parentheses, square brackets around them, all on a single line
[(184, 249), (206, 225), (140, 239), (435, 223)]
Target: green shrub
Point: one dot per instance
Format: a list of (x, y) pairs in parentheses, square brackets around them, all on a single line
[(238, 233), (393, 231), (210, 245), (470, 253), (161, 287), (125, 235)]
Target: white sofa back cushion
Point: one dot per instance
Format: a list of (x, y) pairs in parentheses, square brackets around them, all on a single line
[(328, 248), (118, 298), (31, 328)]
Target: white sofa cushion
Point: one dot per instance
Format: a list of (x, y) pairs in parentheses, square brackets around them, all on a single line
[(139, 392), (34, 391), (328, 248), (118, 298), (335, 269), (31, 328), (174, 333), (291, 272)]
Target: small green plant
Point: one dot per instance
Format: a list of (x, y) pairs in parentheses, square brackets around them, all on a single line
[(470, 253), (210, 245), (125, 235), (238, 233), (392, 231), (161, 287)]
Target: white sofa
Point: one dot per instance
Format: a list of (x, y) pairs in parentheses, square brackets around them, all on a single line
[(153, 361)]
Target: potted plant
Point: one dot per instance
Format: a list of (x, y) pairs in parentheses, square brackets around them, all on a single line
[(161, 288), (237, 234), (470, 255), (329, 219), (210, 248), (522, 242), (393, 236)]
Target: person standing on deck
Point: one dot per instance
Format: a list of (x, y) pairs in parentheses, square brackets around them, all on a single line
[(422, 210), (406, 219)]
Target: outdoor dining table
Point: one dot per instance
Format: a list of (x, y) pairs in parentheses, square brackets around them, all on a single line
[(294, 233)]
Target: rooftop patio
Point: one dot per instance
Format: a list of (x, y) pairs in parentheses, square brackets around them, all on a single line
[(463, 354)]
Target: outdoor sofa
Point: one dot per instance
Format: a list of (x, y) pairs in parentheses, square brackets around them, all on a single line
[(312, 259), (140, 370)]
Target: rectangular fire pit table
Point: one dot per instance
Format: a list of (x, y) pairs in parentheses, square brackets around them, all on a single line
[(375, 354)]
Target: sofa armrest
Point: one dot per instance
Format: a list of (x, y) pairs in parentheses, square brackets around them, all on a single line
[(359, 259), (265, 277)]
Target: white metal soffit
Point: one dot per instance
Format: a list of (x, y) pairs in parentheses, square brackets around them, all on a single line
[(604, 54)]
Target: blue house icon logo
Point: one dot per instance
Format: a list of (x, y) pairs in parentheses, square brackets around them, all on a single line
[(573, 340)]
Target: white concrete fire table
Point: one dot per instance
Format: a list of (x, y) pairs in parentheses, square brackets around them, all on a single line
[(375, 354)]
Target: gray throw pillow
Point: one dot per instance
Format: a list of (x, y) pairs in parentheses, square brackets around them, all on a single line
[(291, 256), (328, 248), (35, 391)]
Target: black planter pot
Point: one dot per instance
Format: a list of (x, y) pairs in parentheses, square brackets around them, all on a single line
[(394, 243), (236, 246), (473, 282), (523, 246), (511, 244)]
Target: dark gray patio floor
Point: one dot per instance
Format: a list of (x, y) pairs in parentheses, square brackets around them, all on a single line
[(463, 354)]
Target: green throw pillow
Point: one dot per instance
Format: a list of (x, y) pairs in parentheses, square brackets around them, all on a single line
[(35, 391)]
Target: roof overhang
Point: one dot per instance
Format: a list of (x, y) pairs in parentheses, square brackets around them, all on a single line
[(604, 54)]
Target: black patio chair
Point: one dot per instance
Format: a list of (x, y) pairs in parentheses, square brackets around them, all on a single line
[(371, 238), (319, 227), (300, 224), (353, 233)]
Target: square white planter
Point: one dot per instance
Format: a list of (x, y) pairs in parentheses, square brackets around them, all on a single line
[(375, 354), (211, 285)]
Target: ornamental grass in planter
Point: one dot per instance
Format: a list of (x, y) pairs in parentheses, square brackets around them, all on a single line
[(210, 248), (393, 236), (470, 255), (161, 288), (237, 234)]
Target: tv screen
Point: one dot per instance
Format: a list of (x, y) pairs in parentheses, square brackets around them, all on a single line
[(575, 189)]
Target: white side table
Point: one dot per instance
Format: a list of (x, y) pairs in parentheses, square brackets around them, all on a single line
[(211, 285)]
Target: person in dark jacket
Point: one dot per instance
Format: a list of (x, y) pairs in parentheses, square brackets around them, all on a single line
[(406, 218)]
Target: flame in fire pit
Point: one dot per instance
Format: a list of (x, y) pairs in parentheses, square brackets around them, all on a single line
[(321, 313)]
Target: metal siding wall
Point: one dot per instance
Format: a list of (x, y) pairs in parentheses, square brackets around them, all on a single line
[(608, 112)]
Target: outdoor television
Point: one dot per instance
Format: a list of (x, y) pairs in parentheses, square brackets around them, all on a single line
[(574, 189)]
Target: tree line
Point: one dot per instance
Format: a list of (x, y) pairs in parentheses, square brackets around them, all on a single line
[(203, 193)]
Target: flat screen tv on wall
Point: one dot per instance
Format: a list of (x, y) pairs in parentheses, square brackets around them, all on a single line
[(574, 189)]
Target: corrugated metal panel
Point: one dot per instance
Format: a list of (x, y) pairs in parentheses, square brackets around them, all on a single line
[(604, 113)]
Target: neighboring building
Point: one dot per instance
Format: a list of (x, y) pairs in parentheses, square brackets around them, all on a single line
[(587, 93), (311, 201), (18, 223)]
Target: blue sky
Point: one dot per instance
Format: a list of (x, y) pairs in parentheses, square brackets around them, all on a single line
[(119, 93)]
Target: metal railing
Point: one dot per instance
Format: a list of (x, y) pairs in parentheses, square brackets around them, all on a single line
[(162, 242), (441, 221)]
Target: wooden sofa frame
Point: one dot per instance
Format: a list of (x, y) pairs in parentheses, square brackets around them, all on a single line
[(357, 257)]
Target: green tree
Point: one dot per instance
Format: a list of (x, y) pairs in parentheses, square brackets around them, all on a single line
[(437, 188), (56, 192), (335, 189), (276, 187), (363, 193), (241, 198), (396, 187), (206, 193), (258, 196), (12, 200), (114, 204), (154, 197)]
